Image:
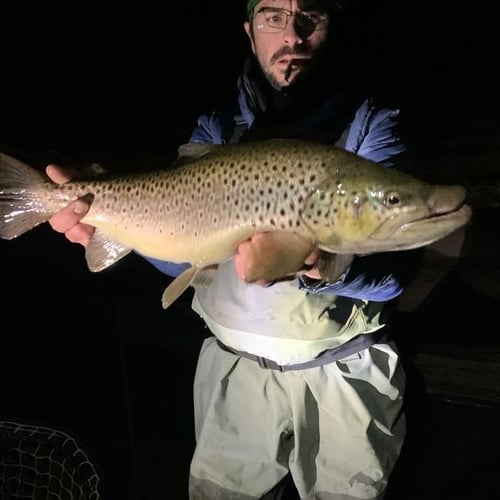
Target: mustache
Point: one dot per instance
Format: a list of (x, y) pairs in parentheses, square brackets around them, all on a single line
[(302, 51)]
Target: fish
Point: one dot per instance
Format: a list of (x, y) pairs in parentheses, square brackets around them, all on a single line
[(198, 210)]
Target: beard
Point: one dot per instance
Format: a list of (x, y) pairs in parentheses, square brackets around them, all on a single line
[(297, 70), (289, 76)]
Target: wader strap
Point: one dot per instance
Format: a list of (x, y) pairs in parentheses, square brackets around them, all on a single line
[(240, 127), (351, 347)]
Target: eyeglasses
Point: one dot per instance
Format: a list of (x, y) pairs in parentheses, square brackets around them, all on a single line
[(273, 20)]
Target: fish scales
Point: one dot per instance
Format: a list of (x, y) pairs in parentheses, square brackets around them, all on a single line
[(200, 209), (200, 212)]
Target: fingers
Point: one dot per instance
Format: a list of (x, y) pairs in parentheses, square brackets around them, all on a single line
[(312, 258), (241, 258), (59, 174), (67, 221), (245, 258), (63, 220), (313, 273), (81, 233)]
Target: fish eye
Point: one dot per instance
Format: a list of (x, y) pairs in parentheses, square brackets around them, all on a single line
[(392, 199)]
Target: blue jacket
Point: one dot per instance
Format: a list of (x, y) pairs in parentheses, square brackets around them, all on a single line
[(370, 131)]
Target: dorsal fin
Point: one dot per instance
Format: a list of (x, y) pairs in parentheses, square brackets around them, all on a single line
[(194, 150)]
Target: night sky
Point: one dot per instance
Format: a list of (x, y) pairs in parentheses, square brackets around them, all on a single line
[(83, 79)]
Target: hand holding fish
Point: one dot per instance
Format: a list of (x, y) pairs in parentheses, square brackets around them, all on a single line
[(67, 220), (269, 254)]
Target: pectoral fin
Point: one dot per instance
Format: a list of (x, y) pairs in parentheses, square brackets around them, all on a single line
[(102, 251), (205, 276), (178, 286), (331, 266)]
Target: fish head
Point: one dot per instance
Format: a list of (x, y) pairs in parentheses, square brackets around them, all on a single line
[(374, 209)]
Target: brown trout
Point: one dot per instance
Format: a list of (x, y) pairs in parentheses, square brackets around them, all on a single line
[(199, 209)]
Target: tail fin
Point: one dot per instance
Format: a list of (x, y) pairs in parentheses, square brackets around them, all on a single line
[(21, 207)]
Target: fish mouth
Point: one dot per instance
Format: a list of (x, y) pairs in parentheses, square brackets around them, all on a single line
[(423, 231), (458, 217)]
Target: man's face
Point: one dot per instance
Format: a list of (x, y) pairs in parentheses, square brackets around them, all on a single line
[(286, 37)]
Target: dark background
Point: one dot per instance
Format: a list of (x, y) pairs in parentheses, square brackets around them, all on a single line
[(87, 78), (95, 356)]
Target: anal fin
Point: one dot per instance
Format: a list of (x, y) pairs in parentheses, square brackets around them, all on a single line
[(102, 251)]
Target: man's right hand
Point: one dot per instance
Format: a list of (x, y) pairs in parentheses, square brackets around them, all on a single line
[(67, 220)]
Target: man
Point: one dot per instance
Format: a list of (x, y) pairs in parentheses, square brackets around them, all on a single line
[(299, 378)]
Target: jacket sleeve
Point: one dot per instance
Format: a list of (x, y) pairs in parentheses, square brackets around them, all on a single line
[(207, 131), (168, 268), (377, 277), (374, 134)]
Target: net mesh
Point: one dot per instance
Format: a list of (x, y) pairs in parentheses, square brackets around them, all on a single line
[(39, 463)]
